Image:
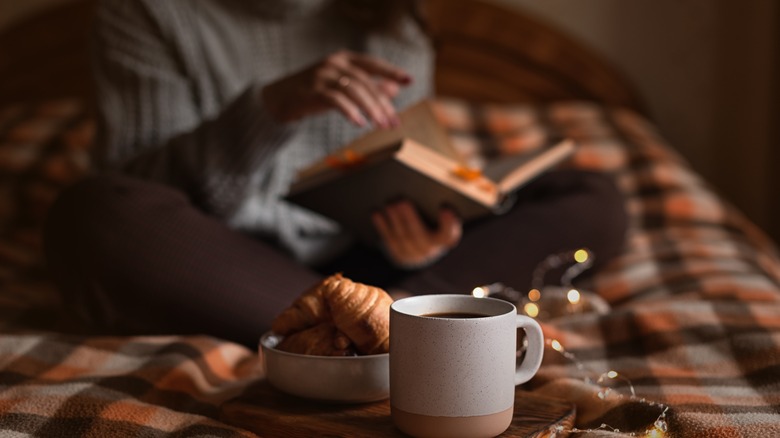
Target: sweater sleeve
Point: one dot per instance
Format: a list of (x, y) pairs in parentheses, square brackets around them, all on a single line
[(150, 124)]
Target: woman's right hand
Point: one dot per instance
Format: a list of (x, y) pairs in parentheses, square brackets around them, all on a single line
[(355, 84)]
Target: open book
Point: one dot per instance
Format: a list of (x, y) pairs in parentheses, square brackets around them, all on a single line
[(415, 161)]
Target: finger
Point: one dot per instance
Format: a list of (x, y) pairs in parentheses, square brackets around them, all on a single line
[(388, 88), (362, 94), (418, 234), (363, 68), (380, 67), (378, 93), (397, 222), (344, 105), (386, 235), (450, 229)]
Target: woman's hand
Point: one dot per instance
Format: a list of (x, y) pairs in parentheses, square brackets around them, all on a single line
[(409, 243), (357, 85)]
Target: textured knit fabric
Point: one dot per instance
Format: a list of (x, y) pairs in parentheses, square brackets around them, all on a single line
[(178, 86)]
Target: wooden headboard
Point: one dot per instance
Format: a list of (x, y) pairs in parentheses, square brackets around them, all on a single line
[(488, 52), (485, 52)]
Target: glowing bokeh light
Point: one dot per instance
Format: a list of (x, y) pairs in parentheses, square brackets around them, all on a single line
[(655, 433), (479, 292), (581, 256), (573, 296)]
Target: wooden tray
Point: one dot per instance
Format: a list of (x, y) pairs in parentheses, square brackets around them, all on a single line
[(270, 413)]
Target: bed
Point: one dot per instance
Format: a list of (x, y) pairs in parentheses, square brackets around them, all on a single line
[(689, 348)]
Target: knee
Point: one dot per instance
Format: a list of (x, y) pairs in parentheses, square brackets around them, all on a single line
[(96, 209), (70, 213), (588, 206), (107, 199), (79, 208), (607, 199), (604, 215)]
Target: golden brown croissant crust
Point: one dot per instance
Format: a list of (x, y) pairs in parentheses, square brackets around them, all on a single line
[(323, 339), (336, 317)]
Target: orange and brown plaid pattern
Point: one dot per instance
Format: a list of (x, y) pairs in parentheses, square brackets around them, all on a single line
[(694, 325), (695, 319), (65, 386)]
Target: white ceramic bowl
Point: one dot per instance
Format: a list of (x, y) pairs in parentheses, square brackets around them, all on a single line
[(355, 379)]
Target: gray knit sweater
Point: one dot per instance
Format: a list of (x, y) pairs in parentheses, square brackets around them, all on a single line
[(178, 102)]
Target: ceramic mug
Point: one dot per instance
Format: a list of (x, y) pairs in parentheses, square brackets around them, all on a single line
[(453, 364)]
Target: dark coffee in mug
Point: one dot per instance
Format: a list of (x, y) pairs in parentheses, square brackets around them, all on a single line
[(456, 315)]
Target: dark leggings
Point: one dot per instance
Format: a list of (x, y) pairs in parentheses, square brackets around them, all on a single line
[(134, 257)]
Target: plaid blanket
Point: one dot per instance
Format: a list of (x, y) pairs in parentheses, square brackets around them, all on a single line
[(689, 348)]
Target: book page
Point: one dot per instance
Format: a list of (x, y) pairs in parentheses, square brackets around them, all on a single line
[(419, 123), (530, 167)]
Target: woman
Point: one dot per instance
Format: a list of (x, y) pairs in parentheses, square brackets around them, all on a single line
[(206, 111)]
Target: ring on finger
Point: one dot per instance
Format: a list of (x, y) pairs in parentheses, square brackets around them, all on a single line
[(344, 81)]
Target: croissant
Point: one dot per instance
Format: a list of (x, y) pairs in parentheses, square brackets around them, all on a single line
[(321, 340), (307, 310), (359, 311)]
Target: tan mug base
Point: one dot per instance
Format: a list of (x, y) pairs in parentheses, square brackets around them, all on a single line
[(427, 426)]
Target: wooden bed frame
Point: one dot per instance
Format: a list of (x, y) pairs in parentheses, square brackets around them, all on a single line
[(488, 52), (485, 52)]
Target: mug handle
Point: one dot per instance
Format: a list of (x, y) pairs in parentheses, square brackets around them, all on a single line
[(533, 355)]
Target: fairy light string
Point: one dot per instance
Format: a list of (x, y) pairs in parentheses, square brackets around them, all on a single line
[(570, 301), (658, 429)]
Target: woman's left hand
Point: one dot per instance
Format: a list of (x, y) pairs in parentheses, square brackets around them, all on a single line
[(408, 241)]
